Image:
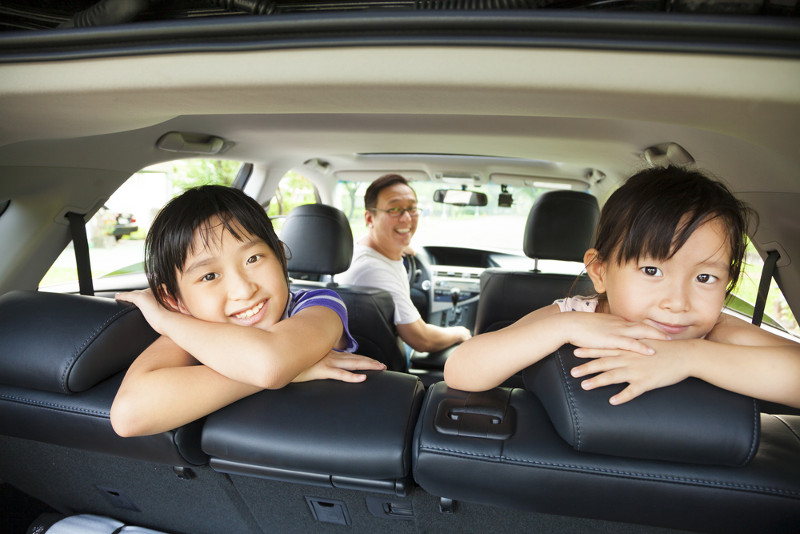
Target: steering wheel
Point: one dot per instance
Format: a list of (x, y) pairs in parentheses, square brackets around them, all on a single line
[(410, 262)]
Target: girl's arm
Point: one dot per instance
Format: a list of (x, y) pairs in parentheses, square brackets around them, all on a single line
[(736, 356), (265, 358), (165, 387), (487, 360)]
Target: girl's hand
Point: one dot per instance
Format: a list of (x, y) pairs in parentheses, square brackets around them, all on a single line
[(592, 331), (154, 313), (338, 366), (666, 366)]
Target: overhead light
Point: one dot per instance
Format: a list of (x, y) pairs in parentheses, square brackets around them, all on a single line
[(546, 182), (665, 154), (551, 185)]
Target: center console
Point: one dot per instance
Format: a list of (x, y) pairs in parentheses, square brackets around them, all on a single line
[(455, 291)]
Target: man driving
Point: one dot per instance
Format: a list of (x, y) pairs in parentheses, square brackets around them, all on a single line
[(392, 216)]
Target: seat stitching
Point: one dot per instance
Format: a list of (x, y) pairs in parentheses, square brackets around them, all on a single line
[(576, 422), (89, 339), (64, 407), (604, 471)]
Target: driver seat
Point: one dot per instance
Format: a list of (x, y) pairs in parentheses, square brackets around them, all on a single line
[(560, 226), (320, 245)]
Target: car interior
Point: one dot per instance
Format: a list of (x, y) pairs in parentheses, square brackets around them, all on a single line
[(558, 106)]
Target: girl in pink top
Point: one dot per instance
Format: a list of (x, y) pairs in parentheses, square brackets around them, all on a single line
[(669, 249)]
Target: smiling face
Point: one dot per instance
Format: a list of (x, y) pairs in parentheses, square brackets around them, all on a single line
[(681, 296), (390, 235), (227, 280)]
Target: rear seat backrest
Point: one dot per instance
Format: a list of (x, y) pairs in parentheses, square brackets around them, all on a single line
[(62, 358), (560, 226), (320, 244)]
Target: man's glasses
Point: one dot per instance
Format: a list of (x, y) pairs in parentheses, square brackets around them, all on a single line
[(398, 212)]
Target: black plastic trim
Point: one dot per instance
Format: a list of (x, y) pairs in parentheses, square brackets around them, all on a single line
[(740, 35)]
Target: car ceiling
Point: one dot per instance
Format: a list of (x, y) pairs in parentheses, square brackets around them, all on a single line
[(565, 112)]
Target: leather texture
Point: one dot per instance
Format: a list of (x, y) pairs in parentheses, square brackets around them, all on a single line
[(321, 243), (319, 239), (326, 427), (507, 296), (81, 421), (67, 343), (691, 421), (560, 226), (535, 469)]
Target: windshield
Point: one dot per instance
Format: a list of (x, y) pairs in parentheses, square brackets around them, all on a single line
[(490, 227)]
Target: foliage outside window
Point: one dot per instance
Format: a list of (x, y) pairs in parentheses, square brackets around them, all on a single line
[(776, 309), (293, 190)]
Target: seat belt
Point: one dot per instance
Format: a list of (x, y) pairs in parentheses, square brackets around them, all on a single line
[(77, 227), (763, 286)]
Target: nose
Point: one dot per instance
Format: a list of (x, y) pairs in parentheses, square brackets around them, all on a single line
[(240, 286), (405, 216), (676, 297)]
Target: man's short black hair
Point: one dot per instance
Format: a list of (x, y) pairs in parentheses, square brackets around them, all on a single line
[(374, 189)]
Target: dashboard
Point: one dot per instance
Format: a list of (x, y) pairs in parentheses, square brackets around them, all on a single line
[(451, 279)]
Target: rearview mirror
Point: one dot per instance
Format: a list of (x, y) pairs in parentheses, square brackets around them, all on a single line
[(459, 197)]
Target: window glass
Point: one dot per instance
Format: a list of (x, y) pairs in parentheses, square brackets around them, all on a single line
[(776, 309), (116, 232), (491, 227), (293, 190)]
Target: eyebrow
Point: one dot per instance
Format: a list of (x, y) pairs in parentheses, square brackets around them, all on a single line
[(211, 259), (720, 264), (398, 201)]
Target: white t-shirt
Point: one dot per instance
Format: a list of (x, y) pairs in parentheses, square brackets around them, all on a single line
[(371, 268)]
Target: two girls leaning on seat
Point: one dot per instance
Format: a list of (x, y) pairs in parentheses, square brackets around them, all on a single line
[(669, 248), (219, 296)]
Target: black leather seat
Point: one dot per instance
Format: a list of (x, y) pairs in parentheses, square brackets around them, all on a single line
[(689, 457), (320, 245), (62, 358), (560, 226)]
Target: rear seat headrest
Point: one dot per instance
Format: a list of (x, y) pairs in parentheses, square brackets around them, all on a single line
[(561, 226), (691, 421), (319, 239), (67, 343)]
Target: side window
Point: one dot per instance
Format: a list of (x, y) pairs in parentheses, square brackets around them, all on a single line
[(293, 190), (777, 310), (116, 232)]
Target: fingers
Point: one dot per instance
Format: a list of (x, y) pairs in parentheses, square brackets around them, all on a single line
[(611, 371), (585, 352), (124, 296), (347, 376), (349, 361), (624, 396)]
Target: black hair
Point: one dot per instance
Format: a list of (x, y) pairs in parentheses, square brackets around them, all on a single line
[(656, 211), (171, 237), (374, 189)]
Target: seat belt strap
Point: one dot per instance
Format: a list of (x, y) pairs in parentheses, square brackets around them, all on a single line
[(77, 227), (763, 286)]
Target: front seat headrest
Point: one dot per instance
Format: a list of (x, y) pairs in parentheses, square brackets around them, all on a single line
[(561, 226), (319, 239)]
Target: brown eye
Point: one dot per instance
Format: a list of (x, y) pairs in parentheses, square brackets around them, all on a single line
[(651, 271), (706, 278)]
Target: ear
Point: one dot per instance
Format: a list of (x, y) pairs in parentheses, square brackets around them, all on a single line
[(368, 215), (174, 302), (596, 269)]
